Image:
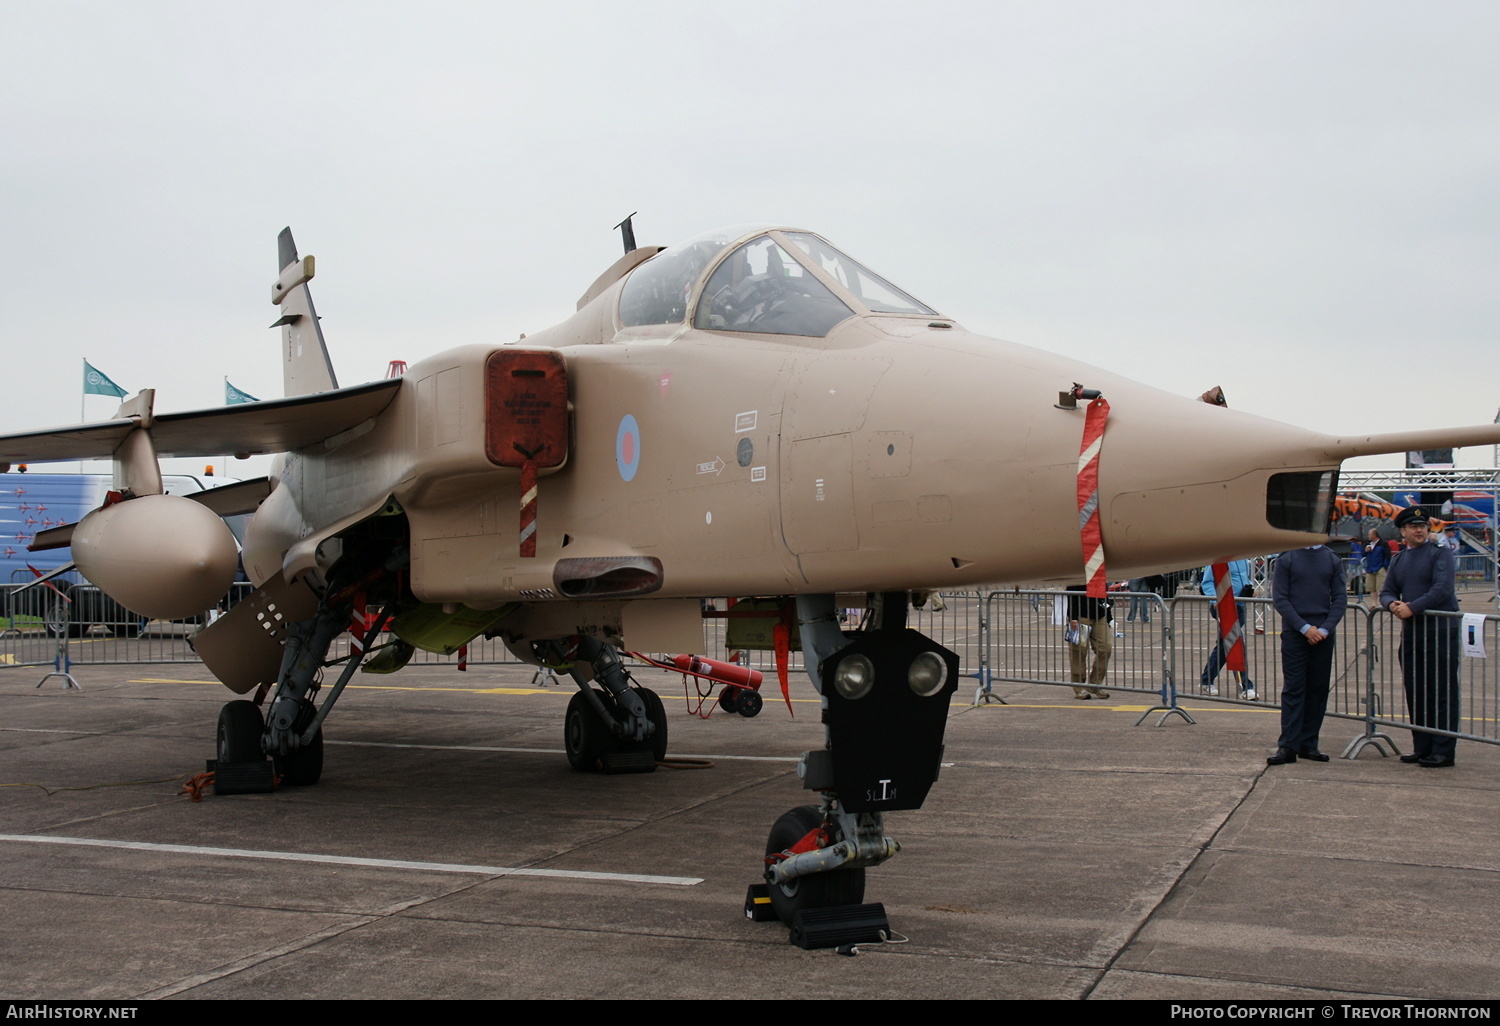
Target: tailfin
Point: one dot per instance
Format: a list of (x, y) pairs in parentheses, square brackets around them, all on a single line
[(305, 362)]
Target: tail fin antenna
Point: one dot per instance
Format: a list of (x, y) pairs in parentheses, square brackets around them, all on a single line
[(305, 363)]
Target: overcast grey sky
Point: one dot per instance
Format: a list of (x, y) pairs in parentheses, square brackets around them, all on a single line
[(1297, 201)]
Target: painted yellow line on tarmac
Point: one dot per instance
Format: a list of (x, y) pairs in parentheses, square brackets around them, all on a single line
[(467, 691), (377, 687), (564, 692), (1097, 706), (1092, 706)]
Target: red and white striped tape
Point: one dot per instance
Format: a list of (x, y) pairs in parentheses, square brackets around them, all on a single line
[(1088, 498), (528, 508), (1231, 630)]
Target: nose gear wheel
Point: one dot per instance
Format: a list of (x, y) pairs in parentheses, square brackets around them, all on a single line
[(816, 890)]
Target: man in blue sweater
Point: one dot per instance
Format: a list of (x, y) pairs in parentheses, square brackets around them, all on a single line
[(1308, 590), (1421, 581)]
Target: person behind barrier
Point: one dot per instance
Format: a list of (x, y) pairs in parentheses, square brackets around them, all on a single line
[(1354, 568), (1140, 604), (1377, 557), (1088, 616), (1420, 582), (1308, 590), (1239, 581)]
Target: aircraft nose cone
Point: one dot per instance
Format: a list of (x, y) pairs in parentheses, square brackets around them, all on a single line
[(1182, 482), (995, 460)]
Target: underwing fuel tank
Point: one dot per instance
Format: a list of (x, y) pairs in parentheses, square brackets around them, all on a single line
[(162, 556)]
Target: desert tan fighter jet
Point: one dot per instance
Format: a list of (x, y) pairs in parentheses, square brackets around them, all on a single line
[(748, 413)]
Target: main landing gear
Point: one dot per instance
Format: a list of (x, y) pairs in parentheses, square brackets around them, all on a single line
[(240, 735), (291, 732), (619, 728), (885, 706)]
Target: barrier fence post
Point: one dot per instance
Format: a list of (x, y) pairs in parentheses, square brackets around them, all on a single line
[(61, 665), (1168, 615), (985, 693), (1371, 736)]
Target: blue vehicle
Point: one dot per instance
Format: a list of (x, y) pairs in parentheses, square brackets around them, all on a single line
[(32, 503)]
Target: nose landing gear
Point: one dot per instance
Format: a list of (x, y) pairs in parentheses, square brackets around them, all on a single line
[(801, 830), (885, 706)]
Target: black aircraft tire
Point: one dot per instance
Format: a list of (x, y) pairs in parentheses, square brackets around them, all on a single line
[(657, 714), (240, 728), (750, 704), (819, 890), (585, 736), (303, 767)]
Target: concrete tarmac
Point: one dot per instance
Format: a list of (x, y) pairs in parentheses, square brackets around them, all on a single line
[(1065, 854)]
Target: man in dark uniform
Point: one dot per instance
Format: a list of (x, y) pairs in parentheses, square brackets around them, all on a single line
[(1308, 589), (1421, 581)]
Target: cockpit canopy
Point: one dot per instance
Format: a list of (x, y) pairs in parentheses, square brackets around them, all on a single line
[(778, 283)]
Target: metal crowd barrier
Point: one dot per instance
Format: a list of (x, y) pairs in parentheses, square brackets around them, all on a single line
[(1478, 679), (1010, 636), (1475, 572), (1024, 642), (29, 631), (1172, 656)]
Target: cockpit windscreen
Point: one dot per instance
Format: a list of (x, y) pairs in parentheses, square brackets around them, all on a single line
[(760, 287), (868, 287)]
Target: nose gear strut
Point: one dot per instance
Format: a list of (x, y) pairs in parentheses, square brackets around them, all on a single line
[(885, 702)]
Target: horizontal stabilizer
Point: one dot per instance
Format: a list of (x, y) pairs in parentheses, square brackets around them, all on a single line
[(44, 578), (275, 425), (233, 500)]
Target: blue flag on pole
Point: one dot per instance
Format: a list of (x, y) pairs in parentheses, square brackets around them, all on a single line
[(95, 383), (233, 396)]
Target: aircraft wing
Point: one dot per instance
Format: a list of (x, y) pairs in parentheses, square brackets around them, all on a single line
[(234, 499), (275, 425)]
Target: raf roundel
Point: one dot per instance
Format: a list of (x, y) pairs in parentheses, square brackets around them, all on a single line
[(628, 447)]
